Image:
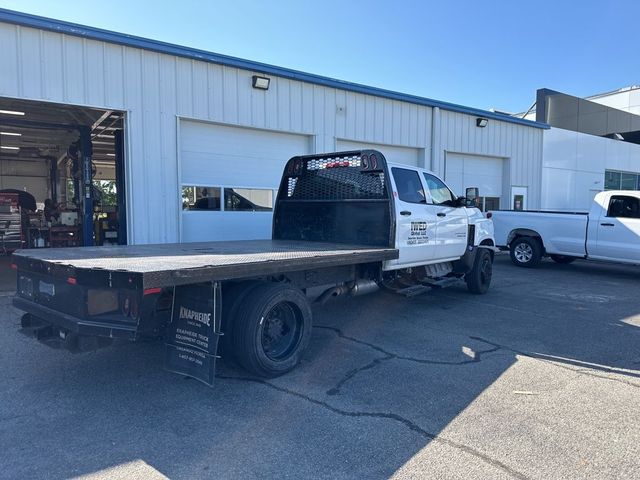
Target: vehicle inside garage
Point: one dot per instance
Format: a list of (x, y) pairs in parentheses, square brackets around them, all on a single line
[(61, 177)]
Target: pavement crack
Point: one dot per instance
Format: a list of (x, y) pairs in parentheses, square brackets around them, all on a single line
[(414, 427), (393, 356), (13, 417), (341, 334), (352, 373)]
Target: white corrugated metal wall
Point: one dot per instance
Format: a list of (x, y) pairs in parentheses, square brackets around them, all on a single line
[(519, 145), (155, 89)]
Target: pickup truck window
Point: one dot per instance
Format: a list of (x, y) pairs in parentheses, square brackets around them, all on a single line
[(409, 186), (440, 193), (624, 207)]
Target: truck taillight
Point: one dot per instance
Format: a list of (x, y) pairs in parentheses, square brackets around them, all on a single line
[(369, 162)]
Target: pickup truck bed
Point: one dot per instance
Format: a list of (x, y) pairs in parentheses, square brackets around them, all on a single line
[(165, 265)]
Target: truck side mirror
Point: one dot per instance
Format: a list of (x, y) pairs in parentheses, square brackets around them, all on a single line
[(472, 195)]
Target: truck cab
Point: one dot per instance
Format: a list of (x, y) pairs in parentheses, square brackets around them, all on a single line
[(613, 231), (433, 225)]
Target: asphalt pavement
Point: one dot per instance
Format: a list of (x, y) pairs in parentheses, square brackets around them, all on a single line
[(539, 378)]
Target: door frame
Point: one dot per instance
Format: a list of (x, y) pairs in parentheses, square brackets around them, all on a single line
[(519, 190)]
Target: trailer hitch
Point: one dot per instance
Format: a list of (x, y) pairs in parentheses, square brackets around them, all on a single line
[(59, 338)]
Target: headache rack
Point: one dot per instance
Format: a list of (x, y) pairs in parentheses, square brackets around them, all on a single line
[(340, 197)]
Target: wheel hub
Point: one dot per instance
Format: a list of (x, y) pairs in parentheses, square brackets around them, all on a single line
[(275, 329), (281, 331), (486, 271), (523, 253)]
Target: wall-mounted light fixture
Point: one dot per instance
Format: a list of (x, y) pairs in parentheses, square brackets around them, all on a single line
[(260, 82), (481, 122), (11, 112)]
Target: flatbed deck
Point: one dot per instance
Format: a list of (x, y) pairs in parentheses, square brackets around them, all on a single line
[(165, 265)]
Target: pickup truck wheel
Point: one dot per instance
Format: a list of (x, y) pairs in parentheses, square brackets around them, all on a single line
[(273, 327), (479, 278), (526, 252), (562, 258)]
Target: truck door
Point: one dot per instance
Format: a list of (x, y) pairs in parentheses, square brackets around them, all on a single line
[(451, 222), (618, 230), (416, 223)]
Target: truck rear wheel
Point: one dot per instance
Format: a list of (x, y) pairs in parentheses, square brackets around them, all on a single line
[(233, 296), (479, 278), (272, 329), (526, 252)]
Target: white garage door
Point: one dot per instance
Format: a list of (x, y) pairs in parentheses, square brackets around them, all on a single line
[(405, 155), (486, 173), (229, 178)]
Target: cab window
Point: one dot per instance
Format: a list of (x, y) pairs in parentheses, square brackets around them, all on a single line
[(409, 186), (440, 193), (624, 207)]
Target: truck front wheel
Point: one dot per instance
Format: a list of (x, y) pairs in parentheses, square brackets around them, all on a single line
[(272, 329), (479, 278), (526, 252)]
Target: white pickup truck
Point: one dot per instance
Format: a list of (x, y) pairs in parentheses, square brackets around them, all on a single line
[(610, 231)]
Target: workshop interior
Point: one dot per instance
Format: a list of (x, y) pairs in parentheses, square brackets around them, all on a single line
[(61, 176)]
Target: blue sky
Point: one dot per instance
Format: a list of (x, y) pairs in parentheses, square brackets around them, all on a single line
[(486, 54)]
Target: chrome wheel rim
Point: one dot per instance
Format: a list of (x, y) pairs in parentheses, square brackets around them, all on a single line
[(523, 253)]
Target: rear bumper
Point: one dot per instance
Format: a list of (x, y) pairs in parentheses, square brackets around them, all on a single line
[(76, 325)]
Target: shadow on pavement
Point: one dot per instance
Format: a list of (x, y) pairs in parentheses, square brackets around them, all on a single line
[(385, 378)]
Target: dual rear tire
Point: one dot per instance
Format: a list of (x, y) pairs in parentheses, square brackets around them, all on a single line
[(267, 327)]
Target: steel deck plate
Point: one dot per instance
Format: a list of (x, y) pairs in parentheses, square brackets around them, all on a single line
[(182, 263)]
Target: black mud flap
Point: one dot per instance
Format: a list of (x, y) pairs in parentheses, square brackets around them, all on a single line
[(193, 334)]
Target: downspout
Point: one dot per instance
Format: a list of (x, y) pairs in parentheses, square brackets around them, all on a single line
[(435, 138)]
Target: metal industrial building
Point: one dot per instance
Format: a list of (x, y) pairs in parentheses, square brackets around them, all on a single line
[(194, 142), (593, 144)]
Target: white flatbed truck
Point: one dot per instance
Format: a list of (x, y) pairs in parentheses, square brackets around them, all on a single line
[(344, 223)]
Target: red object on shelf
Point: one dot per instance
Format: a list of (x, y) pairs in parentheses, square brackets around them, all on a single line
[(11, 232)]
